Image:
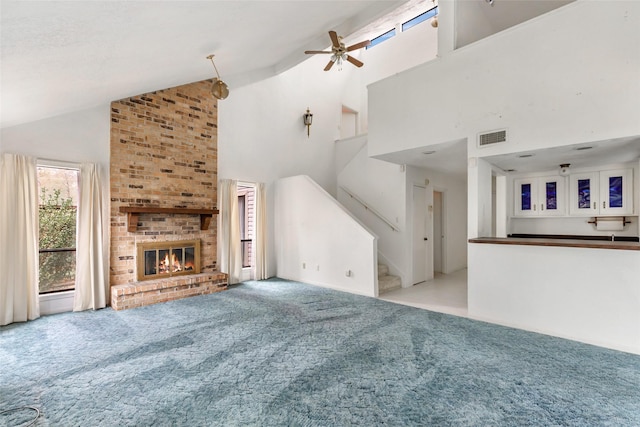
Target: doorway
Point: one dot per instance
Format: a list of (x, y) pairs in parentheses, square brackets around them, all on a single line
[(348, 123), (438, 232), (419, 234)]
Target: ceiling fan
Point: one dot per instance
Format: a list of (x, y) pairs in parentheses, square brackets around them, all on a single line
[(339, 51)]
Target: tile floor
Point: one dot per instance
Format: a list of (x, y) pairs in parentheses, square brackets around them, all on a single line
[(446, 293)]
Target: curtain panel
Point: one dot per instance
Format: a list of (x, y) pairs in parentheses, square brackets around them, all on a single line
[(260, 263), (19, 293), (229, 232), (92, 283)]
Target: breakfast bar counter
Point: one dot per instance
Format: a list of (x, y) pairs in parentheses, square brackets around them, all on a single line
[(564, 242)]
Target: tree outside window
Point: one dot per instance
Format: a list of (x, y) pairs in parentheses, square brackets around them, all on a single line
[(57, 215)]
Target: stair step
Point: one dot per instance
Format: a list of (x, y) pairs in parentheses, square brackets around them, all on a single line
[(383, 270), (388, 283)]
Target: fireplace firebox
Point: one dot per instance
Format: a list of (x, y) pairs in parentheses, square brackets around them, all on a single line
[(156, 260)]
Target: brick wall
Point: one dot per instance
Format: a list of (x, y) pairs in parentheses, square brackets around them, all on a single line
[(163, 154)]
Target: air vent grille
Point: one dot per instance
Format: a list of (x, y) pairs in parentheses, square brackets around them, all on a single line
[(493, 137)]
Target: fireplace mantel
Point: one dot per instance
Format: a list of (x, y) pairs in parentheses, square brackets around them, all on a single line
[(134, 211)]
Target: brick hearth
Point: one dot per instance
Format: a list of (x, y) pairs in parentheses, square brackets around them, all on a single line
[(137, 294)]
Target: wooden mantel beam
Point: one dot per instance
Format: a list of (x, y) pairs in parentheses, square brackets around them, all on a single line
[(133, 212)]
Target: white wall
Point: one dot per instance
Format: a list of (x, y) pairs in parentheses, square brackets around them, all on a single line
[(381, 185), (319, 241), (83, 136), (261, 137), (558, 291), (387, 188), (79, 137), (553, 80)]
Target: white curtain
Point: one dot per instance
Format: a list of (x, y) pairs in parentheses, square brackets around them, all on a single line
[(260, 229), (229, 233), (19, 300), (92, 284)]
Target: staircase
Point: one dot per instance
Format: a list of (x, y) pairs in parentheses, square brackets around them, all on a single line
[(387, 282)]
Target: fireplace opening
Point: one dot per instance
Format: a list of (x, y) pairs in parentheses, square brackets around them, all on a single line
[(167, 259)]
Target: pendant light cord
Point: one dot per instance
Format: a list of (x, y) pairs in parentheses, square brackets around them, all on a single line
[(214, 66)]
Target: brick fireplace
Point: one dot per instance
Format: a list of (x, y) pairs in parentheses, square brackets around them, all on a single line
[(163, 172)]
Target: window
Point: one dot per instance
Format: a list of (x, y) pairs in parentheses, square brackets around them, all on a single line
[(405, 26), (246, 203), (57, 216), (420, 18), (381, 38)]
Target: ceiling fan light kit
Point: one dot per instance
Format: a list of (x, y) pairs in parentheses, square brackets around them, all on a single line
[(219, 89), (339, 52)]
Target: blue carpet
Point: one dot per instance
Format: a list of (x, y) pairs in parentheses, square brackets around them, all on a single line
[(276, 353)]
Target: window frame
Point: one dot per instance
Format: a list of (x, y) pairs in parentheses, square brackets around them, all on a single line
[(60, 165)]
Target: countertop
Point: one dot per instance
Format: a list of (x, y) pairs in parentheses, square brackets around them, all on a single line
[(571, 243)]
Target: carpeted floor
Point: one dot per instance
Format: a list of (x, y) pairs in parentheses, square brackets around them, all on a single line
[(278, 353)]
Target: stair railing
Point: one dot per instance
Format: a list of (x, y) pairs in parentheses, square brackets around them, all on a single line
[(369, 208)]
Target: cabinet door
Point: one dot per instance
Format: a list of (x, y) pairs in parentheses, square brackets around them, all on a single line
[(583, 197), (551, 195), (525, 197), (616, 192)]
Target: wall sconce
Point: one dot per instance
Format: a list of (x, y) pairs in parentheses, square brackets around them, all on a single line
[(308, 119), (564, 169)]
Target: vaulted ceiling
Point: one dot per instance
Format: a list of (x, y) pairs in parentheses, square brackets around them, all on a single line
[(62, 56)]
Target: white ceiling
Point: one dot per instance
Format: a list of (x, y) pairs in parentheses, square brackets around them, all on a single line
[(585, 155), (62, 56)]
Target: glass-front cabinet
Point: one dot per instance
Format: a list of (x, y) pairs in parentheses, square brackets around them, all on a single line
[(540, 196), (602, 193)]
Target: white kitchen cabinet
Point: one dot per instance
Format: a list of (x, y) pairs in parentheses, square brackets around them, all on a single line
[(607, 192), (540, 196)]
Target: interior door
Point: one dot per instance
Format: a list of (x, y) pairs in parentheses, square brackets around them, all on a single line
[(438, 232), (419, 234)]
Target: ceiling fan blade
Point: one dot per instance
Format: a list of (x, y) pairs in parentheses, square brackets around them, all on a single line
[(359, 45), (329, 65), (334, 38), (354, 61), (313, 52)]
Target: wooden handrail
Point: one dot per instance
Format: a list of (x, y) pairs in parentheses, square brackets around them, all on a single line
[(370, 209), (133, 212)]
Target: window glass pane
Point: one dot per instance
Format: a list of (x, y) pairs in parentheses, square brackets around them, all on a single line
[(551, 190), (420, 18), (57, 216), (584, 194), (381, 38), (615, 191), (525, 197), (189, 258), (176, 259), (164, 264), (150, 262)]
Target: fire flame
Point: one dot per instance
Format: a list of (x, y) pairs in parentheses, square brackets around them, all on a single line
[(167, 266)]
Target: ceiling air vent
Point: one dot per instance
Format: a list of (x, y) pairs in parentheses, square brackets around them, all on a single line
[(493, 137)]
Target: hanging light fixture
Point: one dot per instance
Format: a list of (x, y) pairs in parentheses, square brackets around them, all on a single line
[(308, 119), (434, 21), (219, 89), (564, 169)]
